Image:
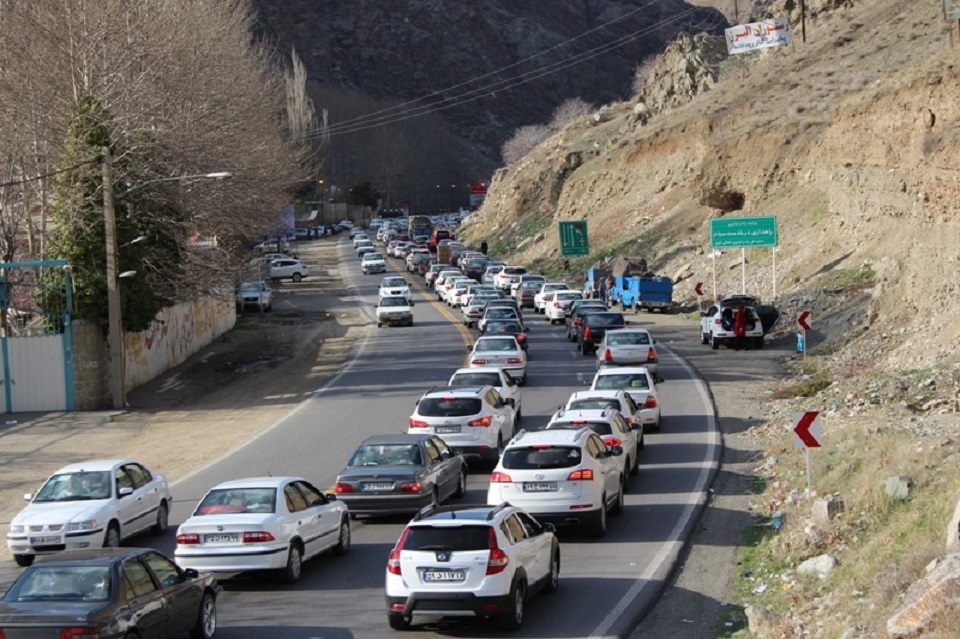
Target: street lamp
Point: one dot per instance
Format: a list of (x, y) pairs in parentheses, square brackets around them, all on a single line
[(118, 393)]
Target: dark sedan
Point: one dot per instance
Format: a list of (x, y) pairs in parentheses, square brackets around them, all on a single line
[(506, 327), (109, 593), (395, 474)]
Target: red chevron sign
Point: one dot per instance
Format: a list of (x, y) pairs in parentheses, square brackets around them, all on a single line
[(802, 320), (806, 430), (699, 288)]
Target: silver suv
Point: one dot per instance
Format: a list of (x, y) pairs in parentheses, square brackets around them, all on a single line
[(473, 420), (470, 561)]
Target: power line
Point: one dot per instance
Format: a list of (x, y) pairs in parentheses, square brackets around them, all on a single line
[(53, 174)]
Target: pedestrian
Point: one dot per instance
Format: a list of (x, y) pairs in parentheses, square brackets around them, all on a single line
[(740, 329), (603, 290), (483, 247)]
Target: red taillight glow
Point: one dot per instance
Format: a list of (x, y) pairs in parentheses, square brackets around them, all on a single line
[(187, 539), (416, 423), (398, 607), (497, 477), (584, 474), (498, 560), (651, 402), (393, 562), (478, 362), (651, 354), (586, 332), (68, 633), (557, 305), (483, 421), (607, 356), (342, 488), (612, 441), (411, 487), (576, 322), (514, 360), (257, 537)]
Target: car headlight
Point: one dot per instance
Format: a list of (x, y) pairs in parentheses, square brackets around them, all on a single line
[(90, 524), (17, 529)]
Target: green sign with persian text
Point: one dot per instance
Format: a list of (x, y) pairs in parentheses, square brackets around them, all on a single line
[(743, 232)]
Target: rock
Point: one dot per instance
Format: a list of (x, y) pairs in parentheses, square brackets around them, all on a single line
[(826, 510), (819, 567), (763, 623), (953, 531), (936, 592), (897, 487), (683, 273)]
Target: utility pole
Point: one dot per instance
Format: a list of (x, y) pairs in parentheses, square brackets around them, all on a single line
[(803, 21), (114, 320)]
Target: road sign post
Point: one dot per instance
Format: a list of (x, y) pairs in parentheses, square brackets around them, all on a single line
[(807, 433), (698, 289), (573, 238), (744, 233), (803, 321)]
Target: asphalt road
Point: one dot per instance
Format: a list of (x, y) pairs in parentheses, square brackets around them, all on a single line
[(606, 585)]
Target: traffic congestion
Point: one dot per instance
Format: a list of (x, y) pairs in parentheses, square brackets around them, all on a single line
[(472, 452)]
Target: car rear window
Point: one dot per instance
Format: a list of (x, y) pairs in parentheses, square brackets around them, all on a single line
[(594, 404), (600, 428), (449, 538), (537, 457), (449, 406), (476, 379), (625, 381), (61, 583), (628, 339), (604, 319), (238, 500)]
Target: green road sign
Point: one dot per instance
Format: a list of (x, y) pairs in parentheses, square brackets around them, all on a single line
[(743, 232), (573, 238)]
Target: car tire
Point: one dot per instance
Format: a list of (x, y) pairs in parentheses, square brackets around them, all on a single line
[(112, 537), (24, 560), (296, 277), (512, 619), (461, 484), (163, 520), (553, 582), (599, 527), (640, 445), (517, 419), (714, 343), (206, 625), (343, 541), (379, 325), (291, 572), (617, 508), (398, 621), (704, 338), (500, 447)]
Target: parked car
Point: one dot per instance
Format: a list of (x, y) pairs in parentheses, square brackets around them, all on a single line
[(716, 324), (392, 474), (88, 505), (470, 561), (256, 294), (394, 311), (109, 593), (262, 523), (288, 268)]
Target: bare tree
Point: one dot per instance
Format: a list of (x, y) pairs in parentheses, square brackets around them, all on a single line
[(568, 111), (524, 140)]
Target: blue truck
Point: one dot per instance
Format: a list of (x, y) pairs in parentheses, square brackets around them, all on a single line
[(650, 293)]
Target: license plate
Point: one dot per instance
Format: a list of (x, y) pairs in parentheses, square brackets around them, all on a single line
[(444, 575), (377, 486), (539, 486), (221, 539), (447, 429), (45, 541)]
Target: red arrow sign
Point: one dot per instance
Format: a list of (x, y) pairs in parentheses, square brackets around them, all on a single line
[(806, 428), (699, 288), (802, 320)]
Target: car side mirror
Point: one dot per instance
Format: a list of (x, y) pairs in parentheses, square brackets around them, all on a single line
[(191, 573), (411, 302), (548, 526), (615, 451), (469, 348), (28, 496), (126, 490), (509, 401), (526, 329), (330, 497)]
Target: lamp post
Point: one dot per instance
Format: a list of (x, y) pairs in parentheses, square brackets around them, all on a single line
[(118, 393)]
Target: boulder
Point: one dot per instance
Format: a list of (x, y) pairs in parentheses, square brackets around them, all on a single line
[(953, 531), (763, 623), (826, 510), (936, 593), (819, 567)]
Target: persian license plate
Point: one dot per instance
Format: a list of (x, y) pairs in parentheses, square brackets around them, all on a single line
[(223, 538), (376, 486), (444, 575), (539, 486), (46, 540), (447, 429)]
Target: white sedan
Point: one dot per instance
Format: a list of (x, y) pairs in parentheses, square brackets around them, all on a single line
[(262, 523), (547, 287), (637, 382), (501, 351), (373, 263), (394, 286), (89, 505)]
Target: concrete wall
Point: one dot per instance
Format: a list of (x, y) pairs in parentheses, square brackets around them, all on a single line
[(91, 385)]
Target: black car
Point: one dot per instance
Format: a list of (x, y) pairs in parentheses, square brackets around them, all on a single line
[(396, 474), (474, 268), (576, 312), (506, 327), (594, 325), (109, 593)]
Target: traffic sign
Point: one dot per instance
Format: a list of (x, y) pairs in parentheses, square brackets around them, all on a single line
[(743, 232), (802, 320), (806, 430), (699, 288), (573, 238)]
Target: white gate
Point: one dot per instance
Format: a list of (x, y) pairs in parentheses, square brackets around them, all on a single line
[(34, 374)]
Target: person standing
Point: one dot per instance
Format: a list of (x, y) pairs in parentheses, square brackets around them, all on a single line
[(483, 247), (740, 329)]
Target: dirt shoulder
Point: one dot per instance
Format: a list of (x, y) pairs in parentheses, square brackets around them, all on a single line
[(231, 390)]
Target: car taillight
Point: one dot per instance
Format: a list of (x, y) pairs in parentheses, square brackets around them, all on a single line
[(521, 337), (514, 360), (67, 633), (393, 562), (342, 488), (187, 539), (586, 332), (557, 305), (410, 487), (483, 421), (478, 362), (584, 474), (576, 322), (651, 354), (612, 441), (496, 477), (498, 560), (651, 402), (717, 320), (607, 356), (416, 423), (257, 537)]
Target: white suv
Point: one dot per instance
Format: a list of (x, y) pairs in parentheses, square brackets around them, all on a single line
[(470, 561), (561, 476), (716, 324), (473, 420)]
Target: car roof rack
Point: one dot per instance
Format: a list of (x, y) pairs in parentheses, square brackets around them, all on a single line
[(427, 511), (498, 509)]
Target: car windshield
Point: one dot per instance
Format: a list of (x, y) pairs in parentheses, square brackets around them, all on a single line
[(628, 339), (495, 344), (250, 287), (535, 457), (449, 406), (221, 501), (61, 583), (372, 257), (600, 428), (624, 381), (75, 487), (449, 538), (394, 301), (594, 404), (387, 455), (394, 281)]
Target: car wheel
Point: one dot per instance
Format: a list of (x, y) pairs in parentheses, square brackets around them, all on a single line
[(600, 525), (24, 560), (435, 497), (291, 572), (379, 325), (554, 582), (343, 544), (513, 618), (461, 484), (516, 420), (398, 621), (704, 338), (163, 517), (297, 277), (640, 445), (112, 538), (714, 343), (499, 446), (631, 464), (206, 625), (617, 508)]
